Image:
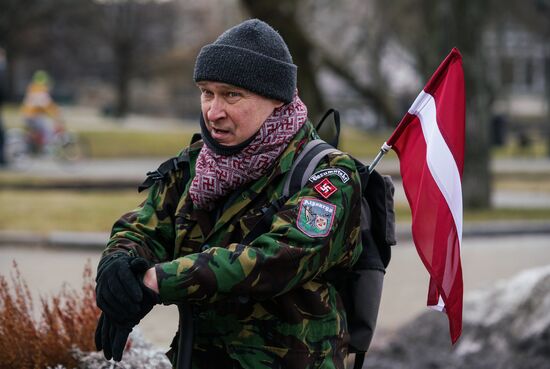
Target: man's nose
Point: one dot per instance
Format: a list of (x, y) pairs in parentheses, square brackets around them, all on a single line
[(216, 109)]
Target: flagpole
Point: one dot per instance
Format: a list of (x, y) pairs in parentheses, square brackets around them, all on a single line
[(392, 139), (383, 150), (409, 116)]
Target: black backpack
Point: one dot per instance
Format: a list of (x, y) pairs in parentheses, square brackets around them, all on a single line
[(361, 287)]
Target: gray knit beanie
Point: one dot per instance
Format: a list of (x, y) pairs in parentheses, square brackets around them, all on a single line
[(251, 55)]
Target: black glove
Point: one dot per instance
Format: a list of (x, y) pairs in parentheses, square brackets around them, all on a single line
[(118, 290), (111, 337), (150, 298), (113, 330)]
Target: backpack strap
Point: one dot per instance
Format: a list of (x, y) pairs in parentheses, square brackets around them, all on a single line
[(170, 165), (305, 164), (162, 172), (359, 359), (334, 136), (296, 178)]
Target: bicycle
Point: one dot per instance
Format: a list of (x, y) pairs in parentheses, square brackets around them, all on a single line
[(24, 145)]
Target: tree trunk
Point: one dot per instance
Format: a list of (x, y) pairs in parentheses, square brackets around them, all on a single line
[(477, 176), (464, 21), (282, 16), (123, 75), (11, 67), (379, 99), (547, 86)]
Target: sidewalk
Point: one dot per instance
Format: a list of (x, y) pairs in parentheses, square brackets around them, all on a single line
[(129, 169), (129, 173), (98, 240)]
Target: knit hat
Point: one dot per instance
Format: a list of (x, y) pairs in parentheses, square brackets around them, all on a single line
[(251, 55)]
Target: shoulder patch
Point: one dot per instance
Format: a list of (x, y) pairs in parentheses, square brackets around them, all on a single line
[(344, 177), (315, 217)]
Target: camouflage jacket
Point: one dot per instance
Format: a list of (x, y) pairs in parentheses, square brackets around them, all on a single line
[(264, 304)]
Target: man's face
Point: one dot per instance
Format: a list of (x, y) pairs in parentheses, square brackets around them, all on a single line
[(233, 114)]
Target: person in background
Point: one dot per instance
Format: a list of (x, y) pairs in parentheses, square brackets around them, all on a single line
[(257, 303), (41, 113)]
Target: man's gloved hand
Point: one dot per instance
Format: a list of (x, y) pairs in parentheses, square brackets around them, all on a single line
[(113, 329), (118, 289), (150, 298), (111, 337)]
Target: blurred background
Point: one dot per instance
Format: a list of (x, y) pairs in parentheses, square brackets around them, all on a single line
[(119, 73)]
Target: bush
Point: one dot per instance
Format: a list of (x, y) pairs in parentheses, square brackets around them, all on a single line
[(66, 322)]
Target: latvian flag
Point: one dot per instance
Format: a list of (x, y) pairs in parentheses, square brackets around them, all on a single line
[(429, 142)]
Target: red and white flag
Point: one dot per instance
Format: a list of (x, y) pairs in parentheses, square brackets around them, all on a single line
[(429, 142)]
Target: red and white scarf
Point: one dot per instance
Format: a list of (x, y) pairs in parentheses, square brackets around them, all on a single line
[(217, 175)]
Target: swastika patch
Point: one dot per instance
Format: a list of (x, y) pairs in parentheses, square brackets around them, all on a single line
[(325, 188), (315, 217)]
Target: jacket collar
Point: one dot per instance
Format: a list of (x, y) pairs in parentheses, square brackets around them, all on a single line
[(236, 204)]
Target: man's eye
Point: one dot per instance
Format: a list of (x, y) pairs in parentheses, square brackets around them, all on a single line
[(206, 93), (233, 96)]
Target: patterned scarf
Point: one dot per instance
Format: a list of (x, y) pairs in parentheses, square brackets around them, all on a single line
[(217, 175)]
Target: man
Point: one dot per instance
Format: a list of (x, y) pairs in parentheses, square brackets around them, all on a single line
[(257, 303)]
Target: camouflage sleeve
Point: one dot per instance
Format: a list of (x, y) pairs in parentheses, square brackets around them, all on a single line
[(315, 230), (148, 230)]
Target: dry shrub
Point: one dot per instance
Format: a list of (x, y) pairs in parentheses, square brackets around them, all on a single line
[(67, 320)]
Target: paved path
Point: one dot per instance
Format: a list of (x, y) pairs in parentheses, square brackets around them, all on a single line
[(131, 172), (485, 261), (136, 168)]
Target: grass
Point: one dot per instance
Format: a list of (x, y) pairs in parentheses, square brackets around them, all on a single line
[(134, 144), (507, 214), (44, 211), (533, 183), (124, 143), (63, 210), (538, 148), (362, 144), (403, 214)]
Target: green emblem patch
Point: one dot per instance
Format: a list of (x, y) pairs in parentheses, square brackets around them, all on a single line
[(315, 217)]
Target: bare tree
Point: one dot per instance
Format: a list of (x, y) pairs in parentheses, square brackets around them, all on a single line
[(351, 41), (136, 31), (544, 27), (312, 51), (20, 23), (438, 26), (535, 16), (282, 16)]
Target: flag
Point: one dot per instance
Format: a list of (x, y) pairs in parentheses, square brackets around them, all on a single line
[(429, 142)]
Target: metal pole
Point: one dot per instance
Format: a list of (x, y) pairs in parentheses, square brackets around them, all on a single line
[(383, 150)]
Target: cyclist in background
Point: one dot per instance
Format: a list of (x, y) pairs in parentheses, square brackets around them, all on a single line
[(41, 113)]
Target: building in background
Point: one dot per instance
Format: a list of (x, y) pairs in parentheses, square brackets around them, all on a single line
[(519, 62)]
